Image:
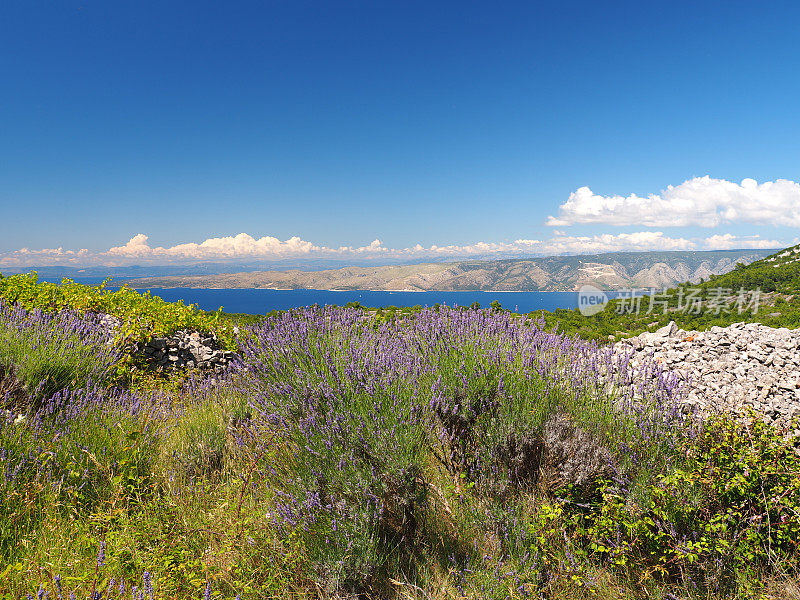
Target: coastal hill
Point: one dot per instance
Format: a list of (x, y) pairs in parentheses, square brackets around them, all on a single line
[(554, 273)]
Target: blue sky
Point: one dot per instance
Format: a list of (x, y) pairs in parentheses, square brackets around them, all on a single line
[(433, 128)]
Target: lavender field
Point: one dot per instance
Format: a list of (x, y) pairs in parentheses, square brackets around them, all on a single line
[(452, 453)]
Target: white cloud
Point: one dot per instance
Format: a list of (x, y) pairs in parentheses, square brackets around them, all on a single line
[(47, 256), (245, 247), (136, 246), (701, 201), (239, 246), (730, 242)]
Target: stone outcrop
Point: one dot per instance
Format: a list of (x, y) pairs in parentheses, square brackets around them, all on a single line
[(181, 350), (745, 366), (186, 350)]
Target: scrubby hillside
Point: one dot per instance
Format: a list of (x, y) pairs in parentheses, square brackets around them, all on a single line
[(446, 454), (779, 272), (765, 291)]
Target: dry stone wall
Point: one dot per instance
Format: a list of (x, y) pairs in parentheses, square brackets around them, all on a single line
[(181, 350), (186, 350), (745, 366)]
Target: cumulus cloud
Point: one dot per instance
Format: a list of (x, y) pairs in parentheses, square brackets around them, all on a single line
[(244, 247), (727, 241), (136, 246), (702, 201), (239, 246)]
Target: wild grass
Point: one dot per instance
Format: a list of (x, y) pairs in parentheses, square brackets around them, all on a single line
[(449, 454)]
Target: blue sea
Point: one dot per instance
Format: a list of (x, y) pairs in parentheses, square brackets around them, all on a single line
[(260, 301)]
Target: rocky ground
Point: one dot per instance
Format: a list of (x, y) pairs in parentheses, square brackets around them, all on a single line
[(732, 369)]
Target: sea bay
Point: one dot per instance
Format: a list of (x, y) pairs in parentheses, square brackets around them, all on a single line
[(260, 301)]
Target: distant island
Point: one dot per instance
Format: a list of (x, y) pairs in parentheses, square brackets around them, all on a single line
[(554, 273)]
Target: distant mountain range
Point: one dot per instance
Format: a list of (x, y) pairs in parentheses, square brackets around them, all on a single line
[(555, 273), (196, 268)]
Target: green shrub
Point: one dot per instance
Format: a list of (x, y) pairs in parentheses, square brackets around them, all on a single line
[(143, 316), (730, 513)]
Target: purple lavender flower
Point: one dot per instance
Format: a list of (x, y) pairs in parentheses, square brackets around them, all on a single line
[(101, 554), (147, 584)]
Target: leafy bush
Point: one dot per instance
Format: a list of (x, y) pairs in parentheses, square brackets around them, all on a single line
[(728, 514), (143, 316)]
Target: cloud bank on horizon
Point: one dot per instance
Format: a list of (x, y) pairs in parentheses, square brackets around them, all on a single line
[(245, 247), (701, 202)]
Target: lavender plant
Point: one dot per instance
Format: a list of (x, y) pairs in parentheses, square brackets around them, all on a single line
[(49, 352), (363, 408)]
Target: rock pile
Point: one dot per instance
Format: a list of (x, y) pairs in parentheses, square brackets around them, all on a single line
[(186, 350), (181, 350), (731, 369)]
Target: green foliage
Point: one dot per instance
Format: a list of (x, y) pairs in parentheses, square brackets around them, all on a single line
[(142, 315), (731, 508), (241, 319)]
